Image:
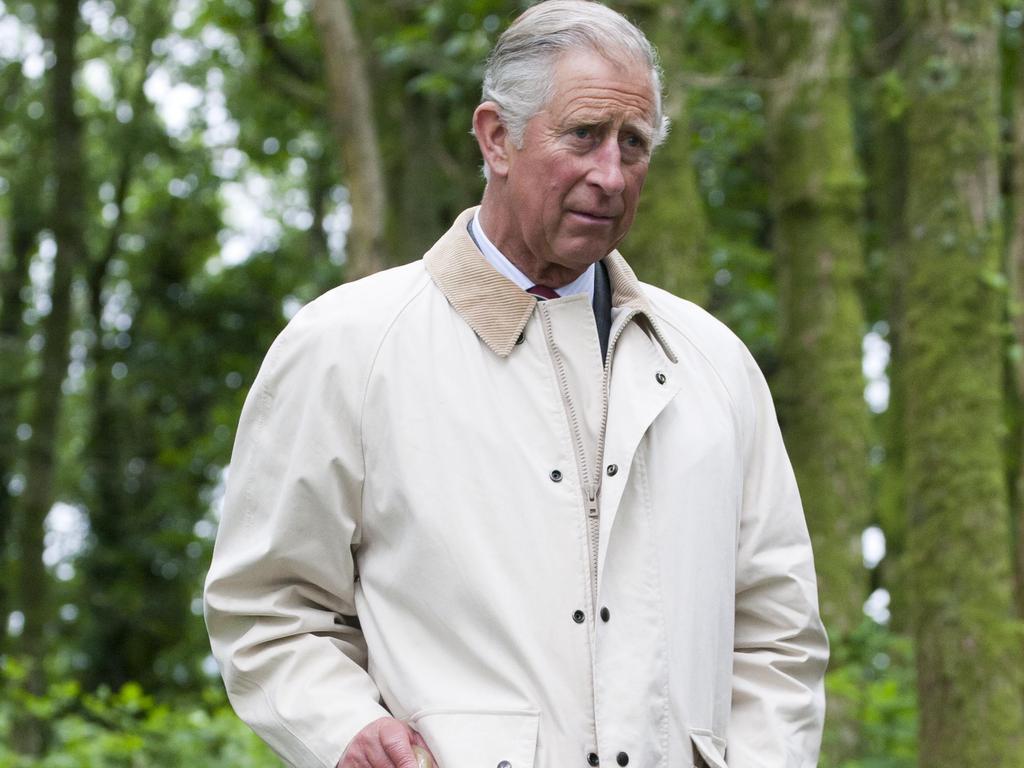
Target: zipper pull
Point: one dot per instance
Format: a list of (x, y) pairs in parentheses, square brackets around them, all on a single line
[(592, 502)]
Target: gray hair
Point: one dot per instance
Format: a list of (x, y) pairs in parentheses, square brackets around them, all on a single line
[(518, 77)]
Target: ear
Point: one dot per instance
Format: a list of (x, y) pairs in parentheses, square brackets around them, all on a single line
[(492, 136)]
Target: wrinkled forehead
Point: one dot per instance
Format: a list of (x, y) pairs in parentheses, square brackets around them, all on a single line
[(588, 83)]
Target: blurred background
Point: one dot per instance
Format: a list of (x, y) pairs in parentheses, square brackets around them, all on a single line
[(843, 186)]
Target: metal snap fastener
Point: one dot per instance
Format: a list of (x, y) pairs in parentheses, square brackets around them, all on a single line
[(622, 758), (578, 616), (612, 470), (592, 759), (504, 764), (556, 476), (605, 614), (520, 340), (659, 377)]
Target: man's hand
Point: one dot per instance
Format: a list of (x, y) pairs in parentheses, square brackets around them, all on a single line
[(386, 743)]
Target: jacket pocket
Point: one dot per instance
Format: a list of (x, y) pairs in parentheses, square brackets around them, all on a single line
[(708, 749), (479, 739)]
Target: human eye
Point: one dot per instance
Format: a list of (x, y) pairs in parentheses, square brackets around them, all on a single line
[(582, 132), (635, 143)]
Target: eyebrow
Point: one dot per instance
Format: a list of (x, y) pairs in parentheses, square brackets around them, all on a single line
[(641, 128)]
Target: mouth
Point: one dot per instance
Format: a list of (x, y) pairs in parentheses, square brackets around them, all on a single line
[(592, 217)]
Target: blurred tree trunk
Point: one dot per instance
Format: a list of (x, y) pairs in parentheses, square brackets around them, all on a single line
[(68, 221), (415, 225), (959, 571), (355, 131), (19, 237), (430, 186), (1015, 264), (816, 192), (667, 245), (319, 188), (105, 564), (884, 146)]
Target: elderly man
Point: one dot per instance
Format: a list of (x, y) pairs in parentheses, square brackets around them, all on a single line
[(510, 504)]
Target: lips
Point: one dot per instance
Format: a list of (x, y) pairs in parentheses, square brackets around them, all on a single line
[(594, 217)]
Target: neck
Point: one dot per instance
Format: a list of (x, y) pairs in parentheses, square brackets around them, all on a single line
[(502, 230)]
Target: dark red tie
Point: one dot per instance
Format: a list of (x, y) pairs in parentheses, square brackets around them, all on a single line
[(543, 292)]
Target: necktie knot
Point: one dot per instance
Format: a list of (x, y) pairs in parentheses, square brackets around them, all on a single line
[(542, 292)]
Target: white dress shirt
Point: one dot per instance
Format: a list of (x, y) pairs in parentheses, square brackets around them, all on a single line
[(582, 284)]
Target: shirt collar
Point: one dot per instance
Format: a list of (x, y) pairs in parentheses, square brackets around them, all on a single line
[(495, 307), (582, 284)]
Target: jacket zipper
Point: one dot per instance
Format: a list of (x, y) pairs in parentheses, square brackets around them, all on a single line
[(591, 489)]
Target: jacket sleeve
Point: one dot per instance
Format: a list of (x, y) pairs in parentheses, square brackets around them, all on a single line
[(780, 648), (279, 598)]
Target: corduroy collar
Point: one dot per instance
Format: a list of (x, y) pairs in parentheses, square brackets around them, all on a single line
[(496, 308)]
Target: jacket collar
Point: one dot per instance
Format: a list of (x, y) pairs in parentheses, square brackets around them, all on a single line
[(496, 308)]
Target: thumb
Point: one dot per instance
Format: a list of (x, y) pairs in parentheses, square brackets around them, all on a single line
[(423, 758)]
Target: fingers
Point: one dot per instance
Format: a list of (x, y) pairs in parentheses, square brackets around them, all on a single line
[(386, 743), (397, 740)]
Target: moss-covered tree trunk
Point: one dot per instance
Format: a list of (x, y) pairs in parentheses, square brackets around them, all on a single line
[(816, 194), (668, 243), (1015, 263), (958, 546)]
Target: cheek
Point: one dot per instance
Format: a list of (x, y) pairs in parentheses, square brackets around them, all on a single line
[(634, 185)]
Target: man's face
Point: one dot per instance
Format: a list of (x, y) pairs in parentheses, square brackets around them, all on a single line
[(574, 186)]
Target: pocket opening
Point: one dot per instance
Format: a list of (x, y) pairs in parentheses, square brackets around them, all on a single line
[(470, 739), (708, 749)]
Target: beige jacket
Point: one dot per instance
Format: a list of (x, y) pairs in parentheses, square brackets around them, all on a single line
[(552, 562)]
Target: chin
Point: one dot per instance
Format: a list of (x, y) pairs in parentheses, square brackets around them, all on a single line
[(581, 256)]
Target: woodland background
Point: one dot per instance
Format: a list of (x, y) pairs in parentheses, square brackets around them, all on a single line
[(844, 187)]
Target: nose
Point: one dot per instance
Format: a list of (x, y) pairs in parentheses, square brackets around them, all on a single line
[(606, 171)]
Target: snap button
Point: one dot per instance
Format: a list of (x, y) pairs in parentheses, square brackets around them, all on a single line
[(659, 377), (519, 340), (613, 469), (578, 616), (556, 476), (622, 758), (605, 614), (504, 764), (592, 758)]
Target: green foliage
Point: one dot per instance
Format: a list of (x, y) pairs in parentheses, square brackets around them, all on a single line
[(871, 677), (171, 316), (727, 124), (129, 728)]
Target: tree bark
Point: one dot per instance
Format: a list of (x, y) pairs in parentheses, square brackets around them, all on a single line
[(816, 192), (1015, 263), (816, 188), (101, 566), (959, 570), (68, 220), (355, 131)]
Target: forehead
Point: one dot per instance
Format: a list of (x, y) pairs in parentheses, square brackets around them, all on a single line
[(587, 86)]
